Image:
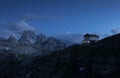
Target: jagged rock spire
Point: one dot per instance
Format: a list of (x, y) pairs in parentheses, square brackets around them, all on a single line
[(41, 38), (28, 36), (12, 38)]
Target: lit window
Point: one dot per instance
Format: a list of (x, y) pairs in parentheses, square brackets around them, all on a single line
[(88, 41)]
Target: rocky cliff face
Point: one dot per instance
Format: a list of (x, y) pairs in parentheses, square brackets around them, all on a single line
[(41, 38), (30, 43), (28, 36), (12, 39)]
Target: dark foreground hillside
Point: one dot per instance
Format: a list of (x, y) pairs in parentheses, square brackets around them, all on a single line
[(77, 61)]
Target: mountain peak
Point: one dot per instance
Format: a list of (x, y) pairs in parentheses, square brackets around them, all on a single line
[(12, 38), (28, 36), (41, 38)]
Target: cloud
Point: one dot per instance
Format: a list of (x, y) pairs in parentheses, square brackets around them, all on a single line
[(36, 16), (16, 28), (5, 34), (115, 31)]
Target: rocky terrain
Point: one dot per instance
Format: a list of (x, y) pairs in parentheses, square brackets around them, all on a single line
[(30, 43), (100, 60)]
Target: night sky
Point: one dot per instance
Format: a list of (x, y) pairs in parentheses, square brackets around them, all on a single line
[(54, 17)]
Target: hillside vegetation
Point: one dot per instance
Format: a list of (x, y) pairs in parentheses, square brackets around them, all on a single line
[(101, 60)]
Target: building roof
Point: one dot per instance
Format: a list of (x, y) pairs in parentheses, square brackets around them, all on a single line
[(91, 35)]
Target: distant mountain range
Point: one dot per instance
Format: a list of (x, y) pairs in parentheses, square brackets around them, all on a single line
[(71, 39), (29, 43)]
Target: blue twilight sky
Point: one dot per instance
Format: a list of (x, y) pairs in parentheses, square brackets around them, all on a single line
[(54, 17)]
